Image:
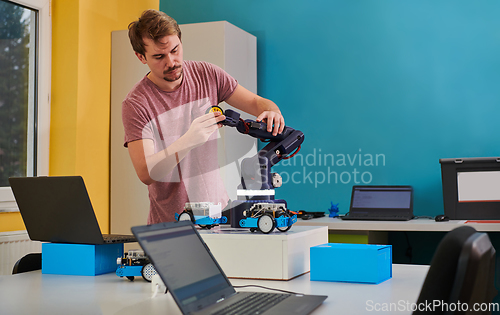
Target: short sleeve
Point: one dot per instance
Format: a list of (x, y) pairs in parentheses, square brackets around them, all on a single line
[(226, 84), (134, 123)]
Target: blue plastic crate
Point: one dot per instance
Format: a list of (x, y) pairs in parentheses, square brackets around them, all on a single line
[(351, 263), (80, 259)]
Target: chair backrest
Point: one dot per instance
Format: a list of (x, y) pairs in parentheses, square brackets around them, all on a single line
[(27, 263), (475, 277), (461, 274)]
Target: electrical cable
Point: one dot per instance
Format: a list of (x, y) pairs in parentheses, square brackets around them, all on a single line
[(246, 125), (292, 155)]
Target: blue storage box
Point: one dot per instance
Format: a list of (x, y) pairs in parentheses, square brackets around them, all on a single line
[(351, 263), (80, 259)]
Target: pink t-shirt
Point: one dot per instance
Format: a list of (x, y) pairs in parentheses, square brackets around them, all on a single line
[(150, 113)]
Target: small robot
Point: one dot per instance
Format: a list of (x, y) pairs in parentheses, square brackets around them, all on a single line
[(200, 213), (135, 263), (265, 217)]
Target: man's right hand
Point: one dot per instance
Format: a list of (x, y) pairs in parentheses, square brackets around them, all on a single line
[(151, 166), (202, 128)]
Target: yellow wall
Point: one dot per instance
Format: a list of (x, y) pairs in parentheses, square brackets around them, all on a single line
[(80, 112), (11, 222)]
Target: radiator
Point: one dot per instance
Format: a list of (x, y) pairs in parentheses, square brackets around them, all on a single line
[(14, 245)]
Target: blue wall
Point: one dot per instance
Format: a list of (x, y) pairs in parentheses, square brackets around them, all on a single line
[(399, 84)]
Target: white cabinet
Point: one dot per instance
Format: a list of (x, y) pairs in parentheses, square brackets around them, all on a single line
[(220, 43)]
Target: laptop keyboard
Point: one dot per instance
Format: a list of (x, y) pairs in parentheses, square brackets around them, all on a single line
[(256, 303)]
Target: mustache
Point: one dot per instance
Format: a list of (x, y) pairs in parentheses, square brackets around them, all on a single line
[(171, 69)]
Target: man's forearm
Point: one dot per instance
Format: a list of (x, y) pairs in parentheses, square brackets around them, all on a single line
[(162, 163), (264, 104)]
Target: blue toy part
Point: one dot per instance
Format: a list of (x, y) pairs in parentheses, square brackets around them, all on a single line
[(249, 222), (129, 271), (199, 213), (282, 223), (203, 221), (147, 271), (334, 210)]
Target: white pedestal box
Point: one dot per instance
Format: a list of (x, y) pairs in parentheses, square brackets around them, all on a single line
[(274, 256)]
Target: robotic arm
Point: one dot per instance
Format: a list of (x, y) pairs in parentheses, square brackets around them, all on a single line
[(256, 171), (256, 207)]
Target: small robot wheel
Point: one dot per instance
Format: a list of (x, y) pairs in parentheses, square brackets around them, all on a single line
[(266, 224), (131, 278), (253, 230), (148, 271), (186, 216), (285, 228)]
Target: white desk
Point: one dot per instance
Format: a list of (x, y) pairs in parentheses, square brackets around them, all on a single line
[(376, 231), (34, 293), (421, 225)]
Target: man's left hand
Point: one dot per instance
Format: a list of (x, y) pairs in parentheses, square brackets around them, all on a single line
[(274, 120)]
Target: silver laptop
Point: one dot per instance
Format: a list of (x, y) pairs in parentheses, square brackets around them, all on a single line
[(197, 282), (58, 209)]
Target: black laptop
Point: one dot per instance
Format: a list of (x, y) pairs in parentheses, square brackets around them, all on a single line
[(58, 209), (197, 282), (386, 203)]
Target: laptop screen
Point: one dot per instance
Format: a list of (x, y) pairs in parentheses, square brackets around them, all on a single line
[(370, 199), (56, 209), (187, 268)]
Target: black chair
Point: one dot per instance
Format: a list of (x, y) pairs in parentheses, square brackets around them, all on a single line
[(27, 263), (461, 274)]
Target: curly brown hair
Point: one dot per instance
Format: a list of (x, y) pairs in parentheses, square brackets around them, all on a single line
[(154, 25)]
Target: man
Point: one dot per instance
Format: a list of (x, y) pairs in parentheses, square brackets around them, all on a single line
[(167, 127)]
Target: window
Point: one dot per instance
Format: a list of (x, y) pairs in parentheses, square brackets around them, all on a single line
[(25, 40)]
